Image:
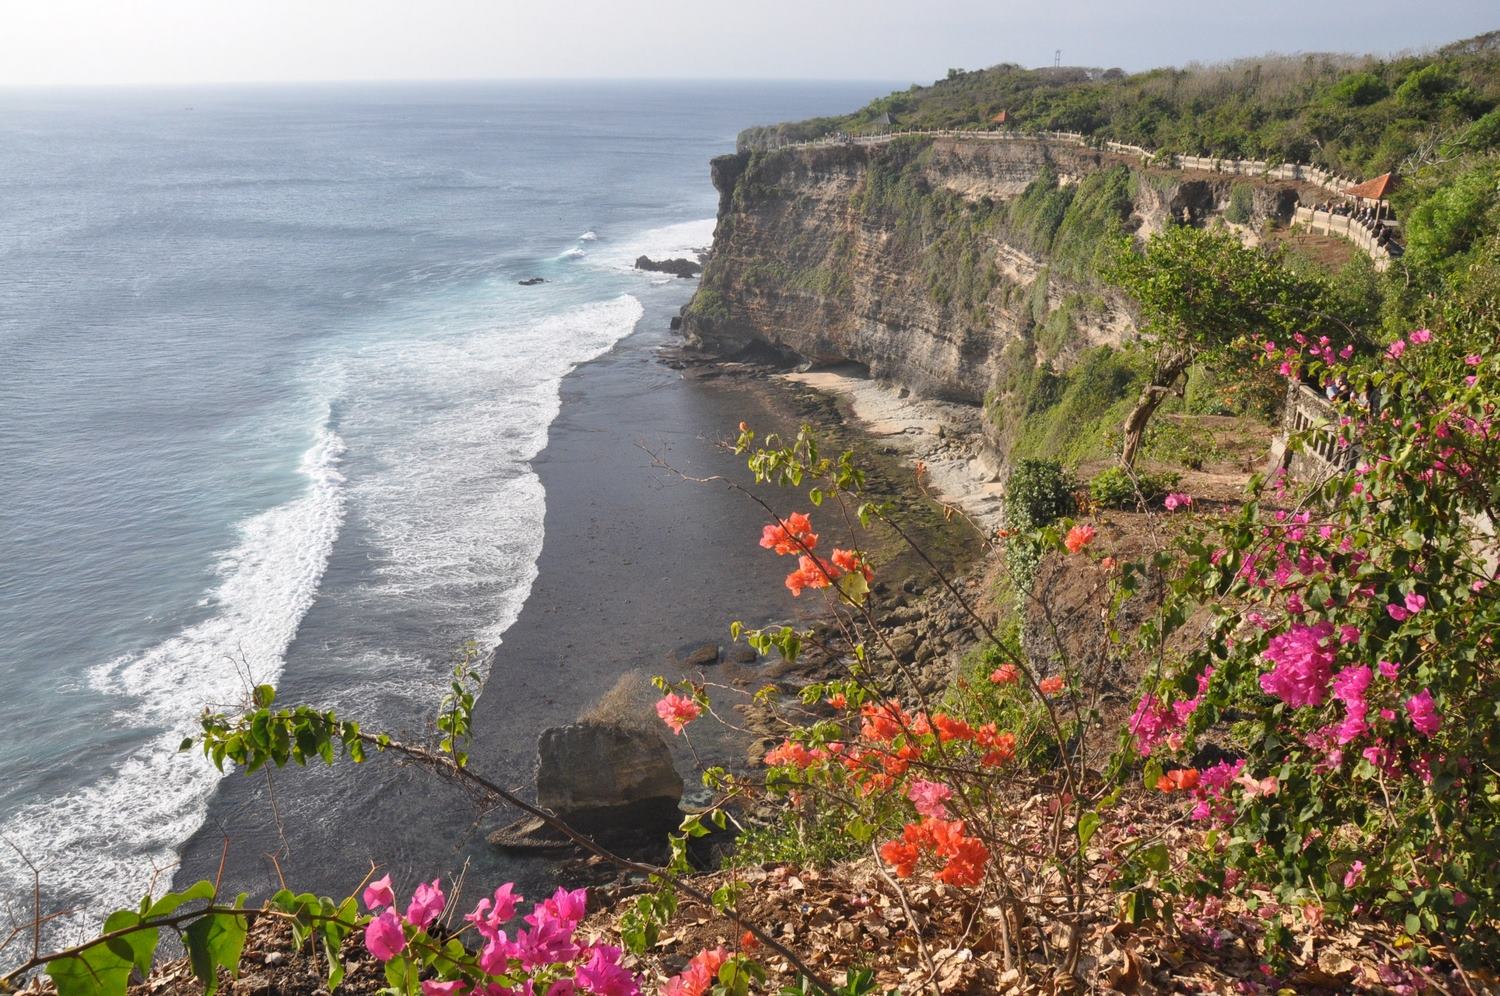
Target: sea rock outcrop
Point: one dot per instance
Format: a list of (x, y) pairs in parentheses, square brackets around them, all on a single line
[(677, 267)]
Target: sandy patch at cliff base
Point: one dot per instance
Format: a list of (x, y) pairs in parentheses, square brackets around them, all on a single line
[(943, 435)]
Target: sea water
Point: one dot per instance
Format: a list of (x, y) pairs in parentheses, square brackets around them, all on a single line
[(246, 334)]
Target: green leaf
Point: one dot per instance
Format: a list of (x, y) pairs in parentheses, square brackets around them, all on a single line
[(95, 971), (1087, 824), (138, 945), (216, 941), (854, 587)]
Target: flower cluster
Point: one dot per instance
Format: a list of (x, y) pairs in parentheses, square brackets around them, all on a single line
[(544, 957), (964, 857), (794, 536)]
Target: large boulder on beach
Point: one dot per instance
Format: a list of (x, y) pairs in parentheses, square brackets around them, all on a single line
[(609, 775), (601, 765)]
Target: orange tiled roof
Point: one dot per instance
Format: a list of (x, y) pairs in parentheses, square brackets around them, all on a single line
[(999, 118), (1376, 190)]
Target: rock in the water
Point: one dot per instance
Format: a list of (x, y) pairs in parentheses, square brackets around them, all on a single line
[(676, 267), (676, 323), (531, 281), (598, 765)]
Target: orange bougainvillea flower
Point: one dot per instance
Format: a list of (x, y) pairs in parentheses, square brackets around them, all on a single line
[(810, 573), (1005, 674), (949, 728), (1181, 780), (785, 537), (1079, 537), (838, 700), (883, 722), (850, 561), (1052, 685)]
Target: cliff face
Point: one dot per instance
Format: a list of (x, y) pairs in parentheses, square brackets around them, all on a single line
[(952, 268)]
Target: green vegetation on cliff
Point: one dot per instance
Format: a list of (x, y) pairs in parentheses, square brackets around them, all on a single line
[(1359, 114)]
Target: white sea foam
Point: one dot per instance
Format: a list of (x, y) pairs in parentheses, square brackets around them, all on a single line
[(573, 253), (589, 236), (682, 240), (108, 842), (456, 507)]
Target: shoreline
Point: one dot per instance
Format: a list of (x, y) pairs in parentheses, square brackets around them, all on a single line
[(636, 565)]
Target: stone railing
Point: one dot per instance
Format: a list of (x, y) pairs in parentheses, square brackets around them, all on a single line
[(1332, 182), (1365, 234), (1309, 412)]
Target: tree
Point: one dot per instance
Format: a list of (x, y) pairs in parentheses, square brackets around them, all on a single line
[(1198, 291)]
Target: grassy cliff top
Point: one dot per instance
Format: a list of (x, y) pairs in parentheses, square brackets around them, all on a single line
[(1361, 114)]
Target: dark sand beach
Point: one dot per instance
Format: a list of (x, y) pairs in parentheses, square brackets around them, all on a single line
[(635, 564)]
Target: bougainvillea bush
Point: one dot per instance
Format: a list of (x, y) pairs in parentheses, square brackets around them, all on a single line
[(1333, 728)]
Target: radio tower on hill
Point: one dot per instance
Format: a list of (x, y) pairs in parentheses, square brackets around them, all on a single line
[(1056, 58)]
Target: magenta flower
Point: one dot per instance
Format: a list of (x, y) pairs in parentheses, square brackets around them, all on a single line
[(426, 904), (602, 975), (1303, 665), (454, 988), (1389, 669), (929, 797), (494, 958), (1423, 713), (490, 915), (1397, 612), (565, 906), (1415, 603), (378, 894), (1177, 500), (384, 937), (1420, 337), (1395, 349), (1352, 876), (1473, 359), (548, 943)]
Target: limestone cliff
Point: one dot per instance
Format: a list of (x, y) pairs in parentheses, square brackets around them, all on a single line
[(955, 268)]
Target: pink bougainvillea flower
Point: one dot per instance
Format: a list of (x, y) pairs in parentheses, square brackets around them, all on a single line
[(1420, 337), (496, 956), (677, 711), (928, 798), (1397, 612), (1395, 349), (1353, 875), (1415, 603), (1079, 537), (455, 988), (491, 914), (1303, 665), (1473, 359), (1052, 685), (384, 937), (549, 942), (426, 904), (602, 975), (378, 894), (1423, 713), (1177, 500), (565, 906)]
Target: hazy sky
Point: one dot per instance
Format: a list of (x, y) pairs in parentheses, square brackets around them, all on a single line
[(189, 41)]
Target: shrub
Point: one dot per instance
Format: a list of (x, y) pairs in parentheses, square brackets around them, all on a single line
[(1117, 488), (1241, 203), (1037, 494)]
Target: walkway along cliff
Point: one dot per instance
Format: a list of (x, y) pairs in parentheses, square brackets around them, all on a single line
[(957, 267)]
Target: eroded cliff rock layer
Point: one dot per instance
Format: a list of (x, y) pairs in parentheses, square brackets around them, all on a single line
[(956, 268)]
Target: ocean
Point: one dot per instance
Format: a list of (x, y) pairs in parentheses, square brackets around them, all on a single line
[(269, 393)]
